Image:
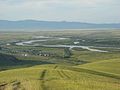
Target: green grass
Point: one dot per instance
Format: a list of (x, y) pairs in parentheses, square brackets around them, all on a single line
[(110, 66), (54, 77)]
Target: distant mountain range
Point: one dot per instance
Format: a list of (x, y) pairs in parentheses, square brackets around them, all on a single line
[(34, 24)]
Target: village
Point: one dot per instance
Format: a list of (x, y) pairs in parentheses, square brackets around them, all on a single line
[(26, 52)]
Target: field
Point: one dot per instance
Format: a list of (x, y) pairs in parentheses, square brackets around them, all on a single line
[(60, 60)]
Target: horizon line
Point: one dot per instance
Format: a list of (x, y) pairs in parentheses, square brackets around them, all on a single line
[(60, 21)]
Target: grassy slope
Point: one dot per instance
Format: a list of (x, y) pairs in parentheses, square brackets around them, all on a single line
[(110, 66), (54, 77)]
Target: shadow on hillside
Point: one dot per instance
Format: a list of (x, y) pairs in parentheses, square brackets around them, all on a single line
[(32, 62), (10, 62)]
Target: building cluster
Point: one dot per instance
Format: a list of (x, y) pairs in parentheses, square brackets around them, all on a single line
[(27, 52)]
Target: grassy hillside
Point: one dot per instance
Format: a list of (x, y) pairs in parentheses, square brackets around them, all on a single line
[(110, 66), (55, 77)]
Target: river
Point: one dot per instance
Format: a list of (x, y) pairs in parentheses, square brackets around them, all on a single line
[(44, 39)]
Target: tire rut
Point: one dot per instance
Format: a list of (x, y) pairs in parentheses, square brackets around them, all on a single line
[(43, 75), (55, 67), (16, 85), (42, 78), (63, 75)]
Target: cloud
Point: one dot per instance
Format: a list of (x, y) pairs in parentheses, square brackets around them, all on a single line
[(71, 10), (45, 3)]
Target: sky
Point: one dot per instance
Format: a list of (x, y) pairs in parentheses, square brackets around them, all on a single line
[(94, 11)]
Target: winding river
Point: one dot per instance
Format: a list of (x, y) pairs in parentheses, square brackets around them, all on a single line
[(44, 39)]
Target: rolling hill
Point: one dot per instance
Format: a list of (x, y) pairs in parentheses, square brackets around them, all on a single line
[(110, 66), (55, 77)]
